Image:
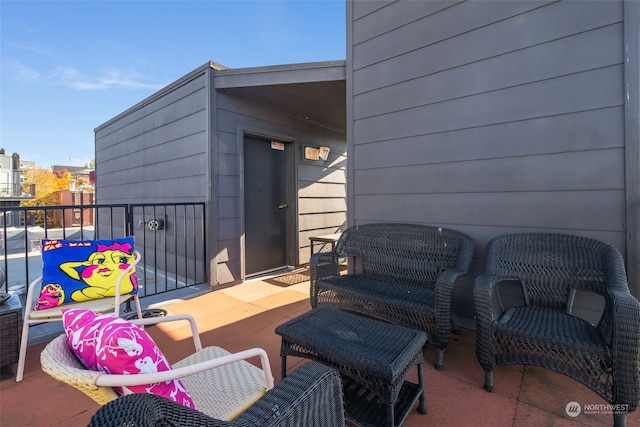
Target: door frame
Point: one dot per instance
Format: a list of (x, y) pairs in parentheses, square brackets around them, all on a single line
[(291, 238)]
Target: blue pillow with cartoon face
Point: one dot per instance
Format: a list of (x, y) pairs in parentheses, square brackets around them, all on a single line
[(82, 270)]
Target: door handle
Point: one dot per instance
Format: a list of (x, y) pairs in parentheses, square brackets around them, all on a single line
[(282, 206)]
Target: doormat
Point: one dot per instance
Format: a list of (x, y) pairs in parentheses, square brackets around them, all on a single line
[(296, 276)]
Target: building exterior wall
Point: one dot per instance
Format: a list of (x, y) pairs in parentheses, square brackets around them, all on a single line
[(182, 144), (156, 151), (10, 176), (74, 217), (489, 118)]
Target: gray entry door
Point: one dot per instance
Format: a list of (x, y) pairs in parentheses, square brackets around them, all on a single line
[(265, 198)]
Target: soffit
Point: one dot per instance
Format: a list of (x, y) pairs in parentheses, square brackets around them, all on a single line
[(315, 92)]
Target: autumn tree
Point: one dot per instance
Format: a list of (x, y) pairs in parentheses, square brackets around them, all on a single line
[(47, 183)]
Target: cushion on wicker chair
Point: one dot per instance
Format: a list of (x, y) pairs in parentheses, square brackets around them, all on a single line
[(113, 345), (550, 325), (75, 271)]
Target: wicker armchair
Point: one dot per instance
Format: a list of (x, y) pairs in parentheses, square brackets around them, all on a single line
[(402, 273), (221, 384), (310, 397), (544, 330)]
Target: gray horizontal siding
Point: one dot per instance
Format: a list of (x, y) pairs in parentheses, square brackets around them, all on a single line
[(319, 221), (313, 205), (228, 271), (228, 185), (227, 142), (367, 24), (167, 152), (432, 52), (489, 117), (322, 204), (601, 88), (228, 165), (227, 207), (156, 150), (448, 23), (560, 211), (584, 130), (314, 174), (129, 140), (228, 228), (154, 104), (320, 189), (580, 171), (363, 8), (593, 49), (226, 247)]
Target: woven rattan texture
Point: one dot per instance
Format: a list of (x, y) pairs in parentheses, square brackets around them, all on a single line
[(311, 396), (366, 409), (543, 332), (375, 354), (242, 384), (58, 361), (221, 392), (402, 273), (10, 327)]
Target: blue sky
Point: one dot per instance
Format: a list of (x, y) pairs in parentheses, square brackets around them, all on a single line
[(67, 67)]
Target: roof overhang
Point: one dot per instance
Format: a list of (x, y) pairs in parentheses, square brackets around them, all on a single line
[(314, 92)]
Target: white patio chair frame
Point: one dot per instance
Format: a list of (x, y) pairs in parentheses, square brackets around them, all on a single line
[(102, 305), (221, 384)]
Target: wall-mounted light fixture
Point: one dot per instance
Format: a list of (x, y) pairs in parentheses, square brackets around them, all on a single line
[(311, 153), (316, 153), (323, 153)]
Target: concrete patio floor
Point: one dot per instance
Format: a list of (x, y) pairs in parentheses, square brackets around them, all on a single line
[(246, 315)]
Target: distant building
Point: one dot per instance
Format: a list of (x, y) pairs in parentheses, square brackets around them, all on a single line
[(82, 178), (12, 188)]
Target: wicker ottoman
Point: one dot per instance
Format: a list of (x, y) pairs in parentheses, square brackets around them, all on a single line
[(373, 357)]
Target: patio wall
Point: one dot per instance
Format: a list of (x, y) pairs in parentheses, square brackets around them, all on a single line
[(182, 144), (491, 118)]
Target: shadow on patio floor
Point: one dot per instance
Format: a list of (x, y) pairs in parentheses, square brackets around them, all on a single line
[(246, 315)]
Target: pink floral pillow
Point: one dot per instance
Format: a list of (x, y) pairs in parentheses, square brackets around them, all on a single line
[(113, 345)]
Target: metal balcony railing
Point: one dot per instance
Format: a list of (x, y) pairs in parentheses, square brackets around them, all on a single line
[(17, 190), (170, 237)]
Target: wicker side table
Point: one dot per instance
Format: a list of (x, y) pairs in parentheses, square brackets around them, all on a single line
[(10, 329), (373, 357)]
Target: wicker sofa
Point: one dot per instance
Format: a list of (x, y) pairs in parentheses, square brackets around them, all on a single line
[(311, 396), (543, 328), (400, 273)]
